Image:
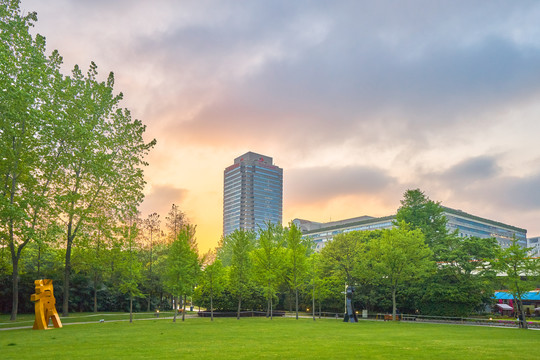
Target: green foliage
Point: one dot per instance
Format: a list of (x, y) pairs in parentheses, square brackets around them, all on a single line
[(298, 250), (183, 268), (417, 211), (211, 284), (68, 153), (341, 256), (240, 275), (399, 256), (25, 78), (522, 272), (464, 280), (267, 261)]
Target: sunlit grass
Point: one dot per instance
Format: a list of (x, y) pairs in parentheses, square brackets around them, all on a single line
[(251, 338), (28, 319)]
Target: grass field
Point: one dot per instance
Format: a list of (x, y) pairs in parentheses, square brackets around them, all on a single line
[(252, 338)]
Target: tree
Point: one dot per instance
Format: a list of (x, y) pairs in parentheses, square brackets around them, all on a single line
[(131, 269), (315, 280), (342, 256), (212, 280), (175, 219), (103, 165), (27, 121), (241, 243), (297, 252), (400, 255), (521, 270), (267, 261), (417, 211), (463, 282), (182, 267), (152, 225)]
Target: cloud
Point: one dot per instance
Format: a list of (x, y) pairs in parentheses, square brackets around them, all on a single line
[(471, 171), (481, 183), (512, 193), (350, 78), (160, 199), (321, 184), (426, 93)]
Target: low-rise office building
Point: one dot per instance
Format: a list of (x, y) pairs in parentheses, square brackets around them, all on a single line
[(467, 225), (534, 243)]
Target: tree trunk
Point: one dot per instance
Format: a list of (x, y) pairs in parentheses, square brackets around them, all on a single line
[(130, 308), (184, 309), (394, 304), (313, 302), (39, 261), (521, 313), (271, 312), (211, 306), (522, 319), (239, 305), (67, 273), (296, 296), (95, 293), (175, 309), (15, 279), (296, 292)]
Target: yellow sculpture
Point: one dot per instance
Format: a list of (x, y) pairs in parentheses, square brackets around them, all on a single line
[(45, 305)]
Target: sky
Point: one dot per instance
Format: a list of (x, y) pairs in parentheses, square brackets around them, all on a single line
[(357, 101)]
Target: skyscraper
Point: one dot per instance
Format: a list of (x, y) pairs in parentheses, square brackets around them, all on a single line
[(252, 193)]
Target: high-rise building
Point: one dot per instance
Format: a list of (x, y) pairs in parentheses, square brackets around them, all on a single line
[(252, 193)]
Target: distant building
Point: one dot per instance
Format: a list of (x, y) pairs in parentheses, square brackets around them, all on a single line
[(534, 243), (466, 224), (252, 193)]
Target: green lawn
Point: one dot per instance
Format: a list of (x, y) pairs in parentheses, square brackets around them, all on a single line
[(28, 319), (253, 338)]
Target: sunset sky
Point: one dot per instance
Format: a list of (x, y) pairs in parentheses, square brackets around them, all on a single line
[(356, 100)]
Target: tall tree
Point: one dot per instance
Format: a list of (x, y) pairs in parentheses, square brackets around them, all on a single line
[(183, 267), (342, 256), (417, 211), (298, 250), (212, 280), (267, 261), (400, 255), (152, 225), (28, 120), (241, 243), (464, 280), (131, 269), (175, 219), (521, 272), (104, 161), (315, 280)]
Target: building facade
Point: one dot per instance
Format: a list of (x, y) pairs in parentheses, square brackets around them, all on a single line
[(467, 225), (534, 244), (252, 193)]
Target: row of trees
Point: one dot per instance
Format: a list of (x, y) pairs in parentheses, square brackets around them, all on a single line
[(138, 267), (275, 260), (71, 158), (113, 269), (418, 265)]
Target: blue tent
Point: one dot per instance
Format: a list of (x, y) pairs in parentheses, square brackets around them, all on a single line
[(531, 295)]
